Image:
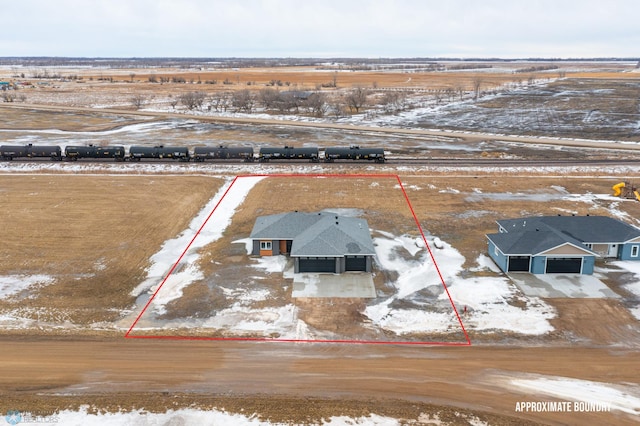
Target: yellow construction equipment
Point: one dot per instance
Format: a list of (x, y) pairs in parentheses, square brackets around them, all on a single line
[(626, 190), (617, 189)]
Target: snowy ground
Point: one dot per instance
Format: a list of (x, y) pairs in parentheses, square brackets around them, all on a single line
[(624, 398), (483, 302), (192, 416)]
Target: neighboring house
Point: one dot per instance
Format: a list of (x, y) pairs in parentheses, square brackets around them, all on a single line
[(561, 244), (318, 242)]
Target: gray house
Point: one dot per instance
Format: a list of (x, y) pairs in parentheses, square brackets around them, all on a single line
[(561, 244), (318, 242)]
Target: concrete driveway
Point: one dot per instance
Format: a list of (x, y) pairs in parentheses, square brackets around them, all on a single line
[(348, 284), (561, 285)]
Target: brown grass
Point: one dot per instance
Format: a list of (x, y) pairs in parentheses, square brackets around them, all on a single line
[(93, 234)]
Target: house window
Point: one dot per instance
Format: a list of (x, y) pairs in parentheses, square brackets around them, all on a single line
[(495, 251), (634, 251), (265, 245)]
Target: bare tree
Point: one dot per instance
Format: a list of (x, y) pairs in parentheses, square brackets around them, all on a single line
[(393, 101), (219, 101), (337, 107), (192, 100), (243, 100), (316, 104), (477, 82), (138, 101), (356, 99), (269, 97), (132, 75)]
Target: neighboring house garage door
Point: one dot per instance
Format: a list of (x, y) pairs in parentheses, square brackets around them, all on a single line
[(355, 263), (317, 265), (566, 265), (519, 263)]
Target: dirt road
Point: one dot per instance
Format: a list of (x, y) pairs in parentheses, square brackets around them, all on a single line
[(157, 374)]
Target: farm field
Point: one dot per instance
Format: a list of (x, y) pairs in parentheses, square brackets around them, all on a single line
[(87, 245)]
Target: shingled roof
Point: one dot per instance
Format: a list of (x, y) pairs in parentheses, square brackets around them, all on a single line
[(585, 229), (317, 234), (531, 242), (534, 235)]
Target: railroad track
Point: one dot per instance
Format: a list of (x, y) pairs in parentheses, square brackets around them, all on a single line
[(472, 162)]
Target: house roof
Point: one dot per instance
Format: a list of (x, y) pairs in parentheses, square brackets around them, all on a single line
[(317, 234), (284, 226), (584, 229), (532, 242)]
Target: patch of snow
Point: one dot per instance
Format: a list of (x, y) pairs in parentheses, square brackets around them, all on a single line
[(188, 416), (449, 191), (486, 299), (437, 243), (211, 224), (412, 245), (281, 321), (621, 398), (271, 264), (13, 284), (485, 262), (346, 212), (244, 296)]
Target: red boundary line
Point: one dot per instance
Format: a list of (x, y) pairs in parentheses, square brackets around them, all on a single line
[(264, 339)]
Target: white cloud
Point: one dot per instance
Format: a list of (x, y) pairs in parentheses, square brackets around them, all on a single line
[(320, 28)]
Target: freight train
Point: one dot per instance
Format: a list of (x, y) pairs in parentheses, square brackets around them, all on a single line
[(199, 154)]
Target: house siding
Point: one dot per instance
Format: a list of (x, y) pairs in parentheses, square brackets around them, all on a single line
[(500, 259), (588, 263), (601, 249), (538, 264), (565, 249), (275, 248), (626, 250)]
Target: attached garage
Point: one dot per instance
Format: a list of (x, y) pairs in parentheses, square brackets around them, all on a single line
[(317, 265), (356, 263), (564, 265), (519, 263)]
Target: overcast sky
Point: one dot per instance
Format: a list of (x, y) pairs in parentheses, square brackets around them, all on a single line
[(321, 28)]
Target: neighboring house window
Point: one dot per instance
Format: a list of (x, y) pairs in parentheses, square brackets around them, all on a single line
[(634, 251), (495, 250), (265, 245)]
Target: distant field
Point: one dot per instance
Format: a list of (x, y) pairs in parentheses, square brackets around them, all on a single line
[(591, 100)]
